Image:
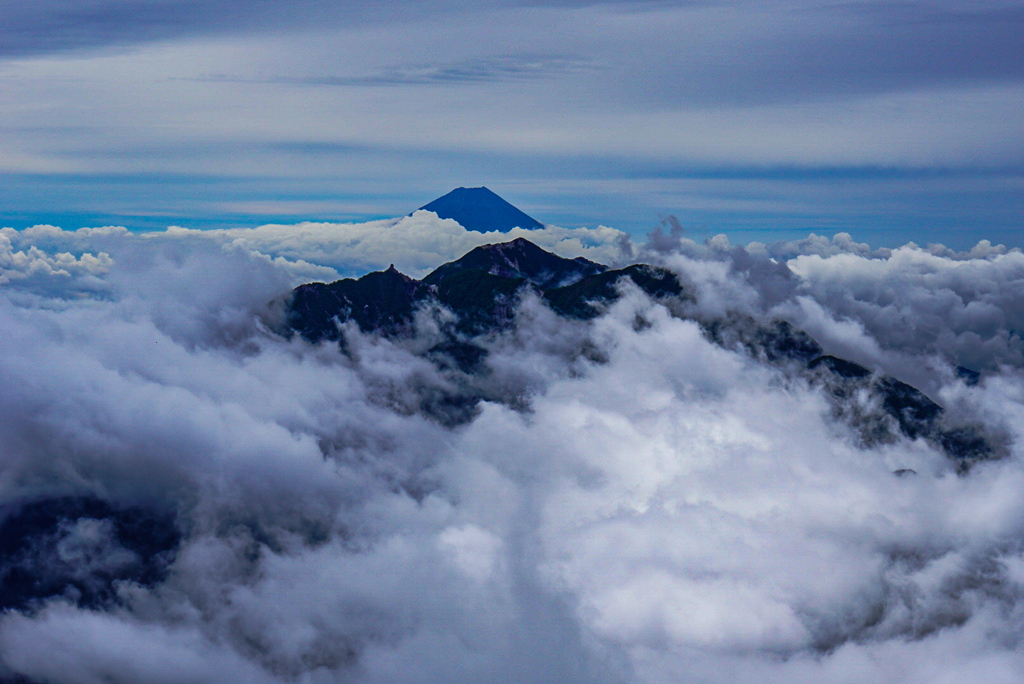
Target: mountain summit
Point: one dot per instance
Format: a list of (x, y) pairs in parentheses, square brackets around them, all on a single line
[(481, 210), (521, 259)]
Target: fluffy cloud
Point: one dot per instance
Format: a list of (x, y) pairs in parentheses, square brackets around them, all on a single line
[(963, 307), (415, 244), (34, 267), (634, 503)]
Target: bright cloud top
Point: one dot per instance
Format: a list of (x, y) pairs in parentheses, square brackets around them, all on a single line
[(638, 504)]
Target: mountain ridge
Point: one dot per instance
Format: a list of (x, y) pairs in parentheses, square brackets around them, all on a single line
[(481, 287), (484, 287)]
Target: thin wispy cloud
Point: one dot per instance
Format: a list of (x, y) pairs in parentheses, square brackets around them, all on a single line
[(313, 101), (497, 69)]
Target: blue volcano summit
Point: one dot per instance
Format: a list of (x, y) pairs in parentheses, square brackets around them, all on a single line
[(481, 210)]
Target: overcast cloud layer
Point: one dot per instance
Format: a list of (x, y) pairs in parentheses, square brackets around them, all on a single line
[(892, 121), (639, 504)]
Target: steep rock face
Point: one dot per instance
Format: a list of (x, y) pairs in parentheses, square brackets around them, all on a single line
[(481, 210)]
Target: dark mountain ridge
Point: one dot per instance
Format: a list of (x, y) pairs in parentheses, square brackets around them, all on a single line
[(483, 288), (519, 258), (383, 301)]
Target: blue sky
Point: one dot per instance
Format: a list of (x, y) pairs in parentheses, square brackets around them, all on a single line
[(894, 121)]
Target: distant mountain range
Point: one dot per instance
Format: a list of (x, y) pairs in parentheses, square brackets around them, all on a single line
[(481, 210), (483, 288)]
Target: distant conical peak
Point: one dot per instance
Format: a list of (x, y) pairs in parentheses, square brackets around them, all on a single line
[(480, 209)]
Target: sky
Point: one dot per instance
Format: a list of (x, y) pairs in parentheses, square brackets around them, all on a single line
[(765, 121)]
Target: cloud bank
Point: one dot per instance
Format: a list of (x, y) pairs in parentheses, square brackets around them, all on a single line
[(637, 503)]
